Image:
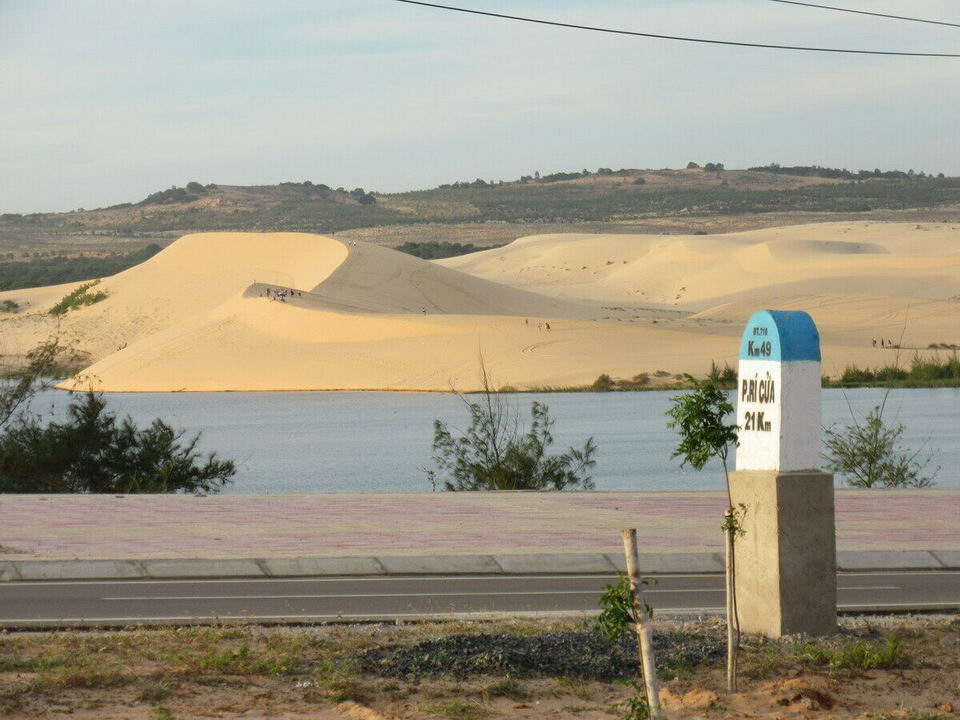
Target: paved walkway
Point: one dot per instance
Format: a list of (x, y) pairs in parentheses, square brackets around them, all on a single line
[(90, 527)]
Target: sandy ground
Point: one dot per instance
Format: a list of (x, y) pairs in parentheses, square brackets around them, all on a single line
[(201, 315)]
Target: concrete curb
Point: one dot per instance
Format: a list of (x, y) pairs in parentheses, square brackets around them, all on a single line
[(520, 564)]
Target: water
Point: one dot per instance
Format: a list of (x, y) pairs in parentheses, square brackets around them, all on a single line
[(378, 442)]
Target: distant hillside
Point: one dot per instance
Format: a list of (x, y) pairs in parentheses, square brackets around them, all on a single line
[(566, 198)]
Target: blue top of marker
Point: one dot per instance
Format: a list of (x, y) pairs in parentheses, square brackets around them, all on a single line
[(780, 335)]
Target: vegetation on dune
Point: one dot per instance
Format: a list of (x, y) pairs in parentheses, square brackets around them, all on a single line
[(78, 298), (922, 372), (43, 271), (436, 250)]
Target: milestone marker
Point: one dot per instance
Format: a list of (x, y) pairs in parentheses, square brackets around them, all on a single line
[(786, 560), (778, 394)]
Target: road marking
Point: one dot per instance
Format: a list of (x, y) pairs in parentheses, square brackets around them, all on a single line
[(338, 578), (352, 616), (480, 593), (445, 578), (398, 595)]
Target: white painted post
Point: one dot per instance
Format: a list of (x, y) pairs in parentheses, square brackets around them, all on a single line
[(643, 628), (786, 574)]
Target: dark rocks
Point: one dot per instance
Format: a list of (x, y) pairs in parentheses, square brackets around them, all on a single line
[(558, 654)]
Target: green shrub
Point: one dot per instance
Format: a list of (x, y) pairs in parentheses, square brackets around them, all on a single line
[(94, 452), (857, 655), (78, 298), (604, 383)]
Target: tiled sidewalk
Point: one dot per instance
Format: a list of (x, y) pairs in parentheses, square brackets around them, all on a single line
[(330, 525)]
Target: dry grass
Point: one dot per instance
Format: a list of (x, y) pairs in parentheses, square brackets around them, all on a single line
[(879, 670)]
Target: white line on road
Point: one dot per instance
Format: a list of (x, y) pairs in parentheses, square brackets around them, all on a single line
[(398, 578), (397, 595), (344, 596), (346, 616)]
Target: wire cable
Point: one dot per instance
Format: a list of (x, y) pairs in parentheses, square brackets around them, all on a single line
[(614, 31), (865, 12)]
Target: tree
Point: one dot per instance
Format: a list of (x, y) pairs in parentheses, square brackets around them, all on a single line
[(699, 418), (868, 454), (44, 363), (93, 452), (494, 454)]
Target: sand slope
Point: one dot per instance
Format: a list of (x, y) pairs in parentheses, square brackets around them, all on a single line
[(698, 272), (362, 317), (198, 316)]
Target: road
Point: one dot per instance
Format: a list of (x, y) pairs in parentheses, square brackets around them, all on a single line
[(113, 603)]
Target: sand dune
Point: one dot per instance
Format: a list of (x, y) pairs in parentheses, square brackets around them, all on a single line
[(199, 316), (698, 272)]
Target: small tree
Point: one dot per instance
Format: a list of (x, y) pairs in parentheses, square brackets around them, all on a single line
[(44, 363), (495, 454), (868, 455), (699, 418)]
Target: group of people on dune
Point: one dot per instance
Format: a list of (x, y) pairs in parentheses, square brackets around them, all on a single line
[(280, 294)]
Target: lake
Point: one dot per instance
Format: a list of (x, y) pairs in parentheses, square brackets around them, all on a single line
[(295, 442)]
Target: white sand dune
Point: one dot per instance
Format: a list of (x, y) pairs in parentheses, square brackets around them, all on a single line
[(698, 272), (358, 317), (198, 315)]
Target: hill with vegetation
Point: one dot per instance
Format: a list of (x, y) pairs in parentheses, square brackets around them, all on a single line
[(485, 212)]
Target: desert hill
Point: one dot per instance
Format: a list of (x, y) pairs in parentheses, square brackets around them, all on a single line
[(284, 311), (493, 211), (700, 272), (222, 311)]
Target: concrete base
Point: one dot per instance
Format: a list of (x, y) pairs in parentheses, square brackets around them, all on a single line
[(786, 562)]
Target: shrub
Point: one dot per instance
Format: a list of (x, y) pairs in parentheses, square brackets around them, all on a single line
[(493, 454), (868, 454), (604, 383), (93, 452), (78, 298)]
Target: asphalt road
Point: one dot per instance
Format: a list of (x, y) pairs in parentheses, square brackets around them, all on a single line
[(112, 603)]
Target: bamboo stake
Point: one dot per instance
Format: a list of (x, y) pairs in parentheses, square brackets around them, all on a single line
[(643, 628)]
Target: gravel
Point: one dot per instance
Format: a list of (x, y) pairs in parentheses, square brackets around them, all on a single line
[(569, 654)]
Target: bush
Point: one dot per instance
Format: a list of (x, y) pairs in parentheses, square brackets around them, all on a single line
[(433, 249), (93, 452), (493, 454), (868, 454), (9, 306), (604, 383), (78, 298)]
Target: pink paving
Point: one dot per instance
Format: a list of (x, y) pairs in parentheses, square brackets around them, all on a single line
[(171, 526)]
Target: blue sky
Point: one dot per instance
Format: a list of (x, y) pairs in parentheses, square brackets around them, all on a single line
[(105, 101)]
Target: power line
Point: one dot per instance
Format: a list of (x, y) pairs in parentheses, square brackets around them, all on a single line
[(613, 31), (865, 12)]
